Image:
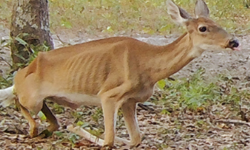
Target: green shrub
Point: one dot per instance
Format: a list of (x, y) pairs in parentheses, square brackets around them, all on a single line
[(196, 92)]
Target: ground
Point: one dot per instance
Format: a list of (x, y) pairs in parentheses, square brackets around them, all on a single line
[(201, 130)]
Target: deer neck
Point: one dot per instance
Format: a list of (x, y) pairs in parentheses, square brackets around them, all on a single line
[(171, 58)]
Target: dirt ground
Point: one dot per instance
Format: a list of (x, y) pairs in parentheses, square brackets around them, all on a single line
[(175, 131)]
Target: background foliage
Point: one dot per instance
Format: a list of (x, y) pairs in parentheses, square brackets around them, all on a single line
[(130, 16)]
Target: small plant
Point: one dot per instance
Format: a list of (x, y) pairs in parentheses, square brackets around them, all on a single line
[(73, 138), (97, 132), (31, 49), (41, 116), (97, 115), (6, 81), (198, 93), (59, 109), (200, 123), (189, 93)]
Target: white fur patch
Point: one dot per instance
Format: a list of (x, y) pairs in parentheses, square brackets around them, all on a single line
[(7, 96), (75, 100), (174, 12), (210, 47)]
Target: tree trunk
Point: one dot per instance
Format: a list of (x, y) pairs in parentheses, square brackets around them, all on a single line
[(29, 29), (247, 3)]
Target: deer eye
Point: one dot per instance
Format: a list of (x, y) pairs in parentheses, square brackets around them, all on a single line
[(203, 29)]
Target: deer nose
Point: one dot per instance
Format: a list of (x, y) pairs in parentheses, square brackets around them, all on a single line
[(234, 43)]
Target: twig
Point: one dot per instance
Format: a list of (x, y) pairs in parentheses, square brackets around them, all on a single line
[(239, 122), (85, 134), (144, 107), (64, 43), (88, 136), (147, 108), (2, 59)]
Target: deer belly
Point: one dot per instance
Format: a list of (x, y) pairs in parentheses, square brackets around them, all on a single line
[(75, 100)]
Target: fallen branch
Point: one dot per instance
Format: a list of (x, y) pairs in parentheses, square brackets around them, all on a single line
[(64, 43), (85, 134), (94, 139), (239, 122)]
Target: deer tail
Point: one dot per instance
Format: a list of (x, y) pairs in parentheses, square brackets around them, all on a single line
[(7, 96)]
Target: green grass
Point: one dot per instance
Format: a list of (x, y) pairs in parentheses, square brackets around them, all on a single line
[(138, 16), (196, 93)]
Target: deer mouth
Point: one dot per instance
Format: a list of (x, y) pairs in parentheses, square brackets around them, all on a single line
[(234, 45)]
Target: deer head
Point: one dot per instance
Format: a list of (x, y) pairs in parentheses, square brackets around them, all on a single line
[(204, 33)]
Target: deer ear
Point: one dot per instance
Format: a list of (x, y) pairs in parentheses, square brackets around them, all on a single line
[(201, 9), (177, 14)]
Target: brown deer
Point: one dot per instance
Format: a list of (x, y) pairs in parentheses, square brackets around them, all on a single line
[(112, 73)]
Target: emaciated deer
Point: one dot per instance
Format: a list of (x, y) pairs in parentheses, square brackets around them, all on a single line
[(112, 73)]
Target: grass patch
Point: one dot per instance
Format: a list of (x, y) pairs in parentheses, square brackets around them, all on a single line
[(196, 93), (127, 17), (7, 81), (146, 17)]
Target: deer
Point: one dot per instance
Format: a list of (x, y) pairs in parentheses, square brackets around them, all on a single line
[(112, 73)]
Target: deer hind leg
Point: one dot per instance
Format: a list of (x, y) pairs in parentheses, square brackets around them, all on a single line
[(52, 121), (129, 112), (33, 131)]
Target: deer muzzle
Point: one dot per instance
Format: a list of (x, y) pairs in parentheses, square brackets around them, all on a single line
[(234, 44)]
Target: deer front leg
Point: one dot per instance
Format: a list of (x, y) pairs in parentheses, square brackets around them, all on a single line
[(110, 108), (52, 121), (129, 113)]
